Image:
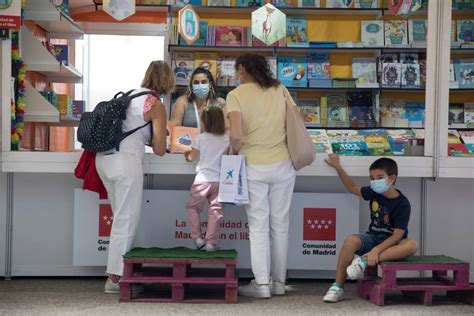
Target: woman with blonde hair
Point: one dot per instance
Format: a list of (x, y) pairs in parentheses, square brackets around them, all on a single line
[(122, 171)]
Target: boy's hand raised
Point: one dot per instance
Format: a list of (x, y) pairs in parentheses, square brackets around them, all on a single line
[(333, 160)]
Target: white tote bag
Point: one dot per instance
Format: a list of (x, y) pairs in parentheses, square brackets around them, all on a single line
[(233, 187)]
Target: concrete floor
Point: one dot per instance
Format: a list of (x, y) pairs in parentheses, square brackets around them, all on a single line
[(84, 296)]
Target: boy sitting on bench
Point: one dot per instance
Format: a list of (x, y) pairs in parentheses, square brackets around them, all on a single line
[(387, 236)]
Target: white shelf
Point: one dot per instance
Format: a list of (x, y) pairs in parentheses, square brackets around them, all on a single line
[(37, 58), (56, 23), (175, 164), (38, 109), (456, 167)]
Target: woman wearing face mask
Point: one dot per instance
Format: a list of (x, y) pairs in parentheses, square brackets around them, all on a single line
[(202, 93)]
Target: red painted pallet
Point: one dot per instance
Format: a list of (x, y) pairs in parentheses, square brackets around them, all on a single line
[(182, 276), (373, 288)]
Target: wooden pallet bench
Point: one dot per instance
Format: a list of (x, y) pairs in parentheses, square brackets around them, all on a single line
[(373, 288), (184, 272)]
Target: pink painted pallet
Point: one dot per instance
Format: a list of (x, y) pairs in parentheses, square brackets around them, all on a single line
[(182, 276), (373, 288)]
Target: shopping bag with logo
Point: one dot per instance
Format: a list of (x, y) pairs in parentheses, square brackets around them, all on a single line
[(233, 187)]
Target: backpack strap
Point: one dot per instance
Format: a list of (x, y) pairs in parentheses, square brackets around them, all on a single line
[(126, 134)]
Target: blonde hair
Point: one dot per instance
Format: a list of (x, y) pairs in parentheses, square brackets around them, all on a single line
[(159, 77)]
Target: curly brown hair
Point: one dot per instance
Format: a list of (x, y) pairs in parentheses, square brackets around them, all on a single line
[(258, 68)]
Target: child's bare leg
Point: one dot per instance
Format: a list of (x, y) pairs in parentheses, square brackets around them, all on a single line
[(351, 245), (406, 248)]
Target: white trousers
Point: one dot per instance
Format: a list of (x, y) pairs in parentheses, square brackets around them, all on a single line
[(270, 190), (122, 175)]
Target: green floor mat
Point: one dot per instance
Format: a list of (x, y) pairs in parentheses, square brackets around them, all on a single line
[(428, 260), (180, 253)]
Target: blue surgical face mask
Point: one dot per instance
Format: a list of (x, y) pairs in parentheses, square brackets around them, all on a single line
[(201, 90), (379, 186)]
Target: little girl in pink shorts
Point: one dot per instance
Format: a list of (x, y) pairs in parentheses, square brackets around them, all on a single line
[(209, 146)]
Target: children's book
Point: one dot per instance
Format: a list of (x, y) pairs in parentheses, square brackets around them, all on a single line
[(249, 3), (292, 71), (321, 141), (415, 114), (399, 140), (340, 4), (365, 70), (296, 32), (454, 39), (417, 32), (422, 62), (349, 146), (396, 33), (282, 3), (409, 58), (366, 4), (467, 137), (392, 113), (229, 36), (311, 112), (183, 3), (78, 108), (337, 111), (319, 70), (378, 145), (62, 53), (411, 76), (226, 71), (456, 113), (391, 75), (469, 113), (181, 138), (309, 3), (458, 150), (382, 59), (465, 31), (361, 109), (218, 3), (206, 60), (202, 40), (464, 71), (372, 33), (183, 66)]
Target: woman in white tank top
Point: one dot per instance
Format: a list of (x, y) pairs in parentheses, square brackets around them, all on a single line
[(122, 171)]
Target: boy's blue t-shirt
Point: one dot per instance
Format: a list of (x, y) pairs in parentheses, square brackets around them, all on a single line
[(387, 214)]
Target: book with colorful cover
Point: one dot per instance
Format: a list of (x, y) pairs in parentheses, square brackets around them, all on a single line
[(415, 114), (418, 32), (339, 4), (310, 109), (365, 70), (396, 33), (206, 60), (391, 75), (337, 111), (321, 141), (309, 3), (465, 31), (464, 71), (292, 71), (377, 143), (467, 137), (218, 3), (62, 53), (282, 3), (202, 40), (296, 32), (411, 76), (183, 3), (469, 113), (458, 150), (181, 138), (319, 70), (384, 59), (454, 137), (229, 36), (392, 113), (399, 140), (361, 110), (366, 4), (226, 71), (183, 66), (349, 146), (372, 33)]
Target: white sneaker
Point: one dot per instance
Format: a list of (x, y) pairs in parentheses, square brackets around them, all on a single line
[(255, 290), (211, 248), (356, 269), (114, 288), (199, 243), (111, 287), (277, 288), (334, 294)]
